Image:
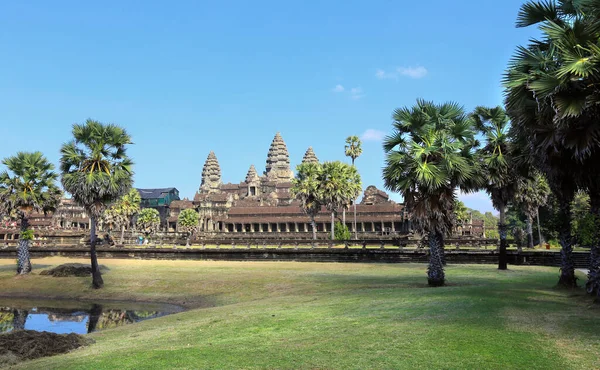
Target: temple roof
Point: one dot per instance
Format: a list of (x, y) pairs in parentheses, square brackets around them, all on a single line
[(154, 193)]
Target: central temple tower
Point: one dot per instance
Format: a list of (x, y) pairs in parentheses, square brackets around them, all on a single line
[(278, 162)]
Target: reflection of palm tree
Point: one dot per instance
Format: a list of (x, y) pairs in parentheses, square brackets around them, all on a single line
[(19, 318), (95, 313)]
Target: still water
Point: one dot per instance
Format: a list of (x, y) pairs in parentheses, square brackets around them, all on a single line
[(64, 317)]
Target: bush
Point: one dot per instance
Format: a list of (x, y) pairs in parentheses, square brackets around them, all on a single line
[(341, 232)]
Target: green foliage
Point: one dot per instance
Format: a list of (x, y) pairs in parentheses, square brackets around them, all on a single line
[(306, 187), (188, 220), (95, 167), (148, 220), (353, 147), (28, 184), (27, 234), (461, 212), (123, 210), (582, 220), (341, 231), (339, 185), (429, 154), (496, 155)]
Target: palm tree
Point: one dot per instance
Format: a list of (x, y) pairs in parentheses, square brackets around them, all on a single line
[(97, 172), (499, 167), (306, 188), (148, 221), (551, 96), (188, 221), (339, 184), (532, 193), (428, 156), (353, 150), (123, 210), (28, 185)]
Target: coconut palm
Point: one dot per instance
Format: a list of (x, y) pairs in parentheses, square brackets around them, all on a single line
[(428, 156), (552, 92), (97, 172), (188, 221), (499, 166), (532, 193), (28, 185), (306, 188), (353, 150), (339, 184)]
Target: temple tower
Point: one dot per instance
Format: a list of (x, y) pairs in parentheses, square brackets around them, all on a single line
[(253, 182), (211, 174), (310, 156), (278, 162)]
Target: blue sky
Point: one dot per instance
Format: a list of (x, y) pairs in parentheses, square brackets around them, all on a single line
[(187, 77)]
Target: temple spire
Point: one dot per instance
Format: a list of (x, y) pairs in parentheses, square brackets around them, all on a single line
[(310, 156), (278, 161), (252, 176), (211, 174)]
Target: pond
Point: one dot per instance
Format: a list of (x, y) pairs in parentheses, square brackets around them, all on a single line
[(78, 317)]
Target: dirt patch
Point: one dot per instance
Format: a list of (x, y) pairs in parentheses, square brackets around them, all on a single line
[(71, 269), (24, 345)]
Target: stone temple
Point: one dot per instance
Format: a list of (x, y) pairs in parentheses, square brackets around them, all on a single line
[(262, 206)]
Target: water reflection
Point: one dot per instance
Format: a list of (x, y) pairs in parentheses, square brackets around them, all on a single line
[(69, 318)]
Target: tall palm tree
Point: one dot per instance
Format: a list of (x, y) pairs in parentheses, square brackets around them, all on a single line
[(28, 185), (428, 156), (532, 193), (339, 184), (97, 172), (353, 150), (499, 167), (306, 188), (552, 94)]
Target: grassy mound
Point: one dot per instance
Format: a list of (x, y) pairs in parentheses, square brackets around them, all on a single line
[(24, 345), (71, 269)]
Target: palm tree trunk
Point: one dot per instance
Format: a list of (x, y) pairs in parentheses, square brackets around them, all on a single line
[(567, 266), (122, 234), (344, 215), (529, 232), (355, 229), (23, 260), (539, 228), (593, 284), (19, 319), (332, 225), (313, 224), (187, 241), (97, 281), (435, 271), (502, 230)]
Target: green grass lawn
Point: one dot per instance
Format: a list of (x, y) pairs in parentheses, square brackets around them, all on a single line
[(288, 315)]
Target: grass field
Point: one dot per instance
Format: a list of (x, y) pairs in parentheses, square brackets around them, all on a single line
[(288, 315)]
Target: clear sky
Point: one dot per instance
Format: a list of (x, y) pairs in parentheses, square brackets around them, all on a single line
[(187, 77)]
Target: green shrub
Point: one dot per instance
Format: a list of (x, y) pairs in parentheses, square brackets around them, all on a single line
[(341, 232), (27, 235)]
